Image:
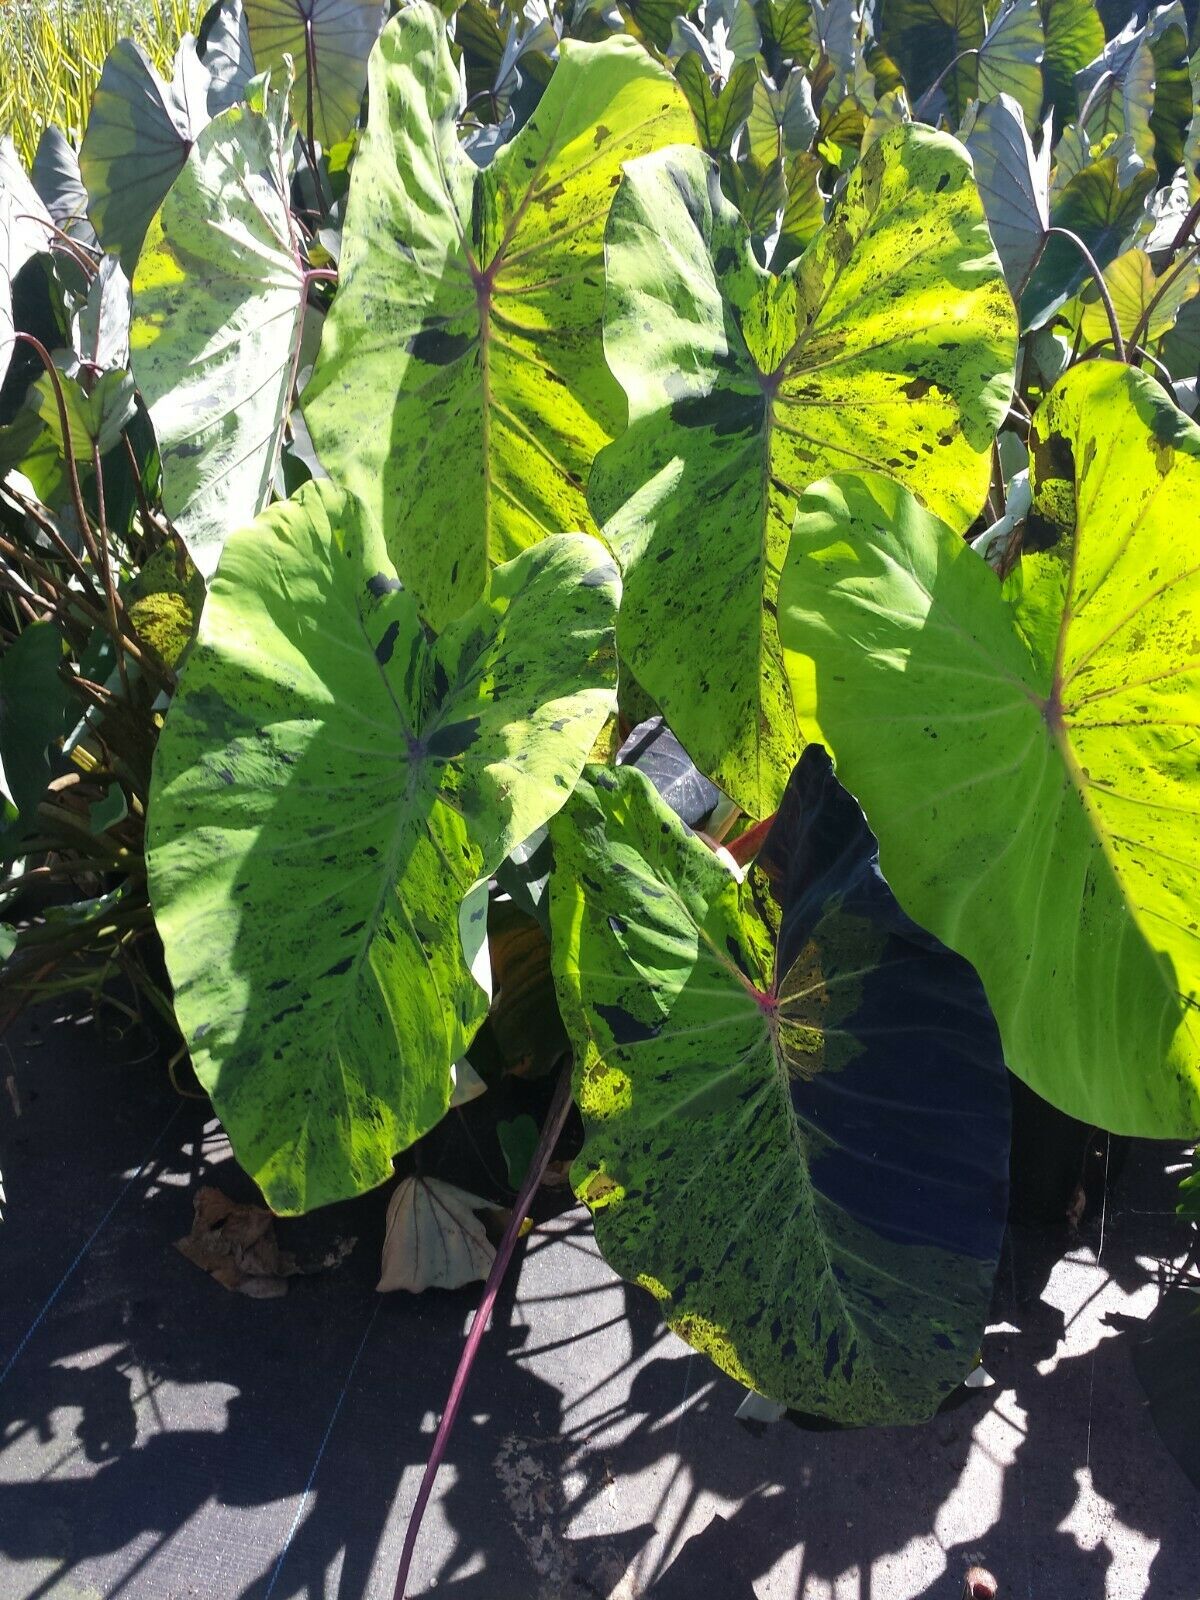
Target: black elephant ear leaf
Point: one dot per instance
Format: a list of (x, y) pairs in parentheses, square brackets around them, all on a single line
[(655, 751), (785, 1059), (137, 141)]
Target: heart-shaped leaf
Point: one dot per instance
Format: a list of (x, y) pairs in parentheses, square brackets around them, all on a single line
[(1137, 295), (795, 1105), (890, 342), (466, 326), (331, 793), (1027, 755), (138, 136), (219, 298), (329, 42)]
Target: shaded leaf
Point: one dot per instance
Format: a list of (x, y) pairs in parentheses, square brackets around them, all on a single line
[(1103, 204), (1010, 58), (34, 702), (218, 315), (331, 793), (96, 417), (1074, 36), (803, 210), (924, 38), (518, 1140), (56, 177), (24, 233), (1038, 738), (523, 1021), (1014, 184), (100, 328), (138, 136), (329, 42), (775, 1078), (744, 386), (466, 326), (782, 122), (658, 755), (434, 1239), (223, 44), (787, 29)]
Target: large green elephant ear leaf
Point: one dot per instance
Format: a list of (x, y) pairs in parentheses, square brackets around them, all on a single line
[(1074, 37), (890, 343), (138, 136), (329, 42), (1026, 756), (331, 792), (461, 389), (935, 39), (795, 1104), (218, 299)]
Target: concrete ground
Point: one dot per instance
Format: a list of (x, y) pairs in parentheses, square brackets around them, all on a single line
[(161, 1438)]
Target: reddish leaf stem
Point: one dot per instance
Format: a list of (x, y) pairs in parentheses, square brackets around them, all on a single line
[(555, 1119)]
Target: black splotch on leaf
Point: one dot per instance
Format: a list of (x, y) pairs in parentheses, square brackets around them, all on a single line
[(625, 1029), (725, 414), (383, 650), (381, 584), (453, 739), (437, 348)]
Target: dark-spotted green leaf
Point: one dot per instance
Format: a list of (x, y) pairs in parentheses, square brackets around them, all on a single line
[(461, 389), (329, 42), (139, 133), (1028, 756), (890, 343), (218, 314), (795, 1105), (331, 793)]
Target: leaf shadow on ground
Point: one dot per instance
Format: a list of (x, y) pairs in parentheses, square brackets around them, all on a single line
[(162, 1437)]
